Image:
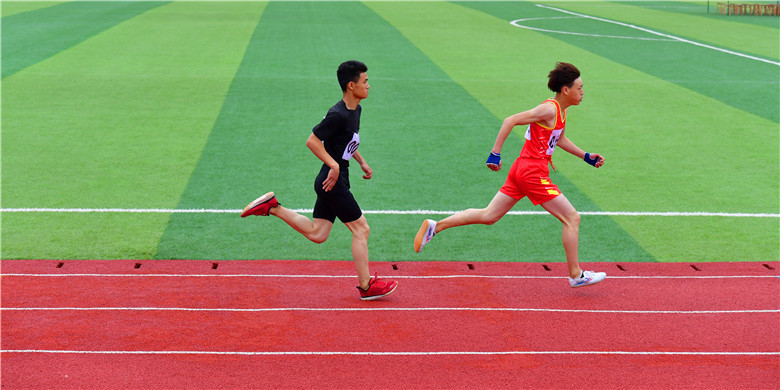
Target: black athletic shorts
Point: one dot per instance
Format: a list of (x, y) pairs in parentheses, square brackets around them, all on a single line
[(338, 202)]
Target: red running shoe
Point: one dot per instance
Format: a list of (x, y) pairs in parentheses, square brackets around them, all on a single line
[(261, 206), (377, 288)]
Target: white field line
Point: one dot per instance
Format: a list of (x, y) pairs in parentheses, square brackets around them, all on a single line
[(516, 23), (400, 353), (374, 309), (393, 212), (353, 276), (658, 34)]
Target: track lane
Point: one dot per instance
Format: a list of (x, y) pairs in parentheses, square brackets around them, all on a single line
[(407, 372), (388, 331), (539, 336), (682, 289)]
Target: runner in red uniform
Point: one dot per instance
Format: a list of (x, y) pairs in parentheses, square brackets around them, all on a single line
[(530, 176)]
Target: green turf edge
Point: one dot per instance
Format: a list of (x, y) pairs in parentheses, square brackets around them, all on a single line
[(82, 236)]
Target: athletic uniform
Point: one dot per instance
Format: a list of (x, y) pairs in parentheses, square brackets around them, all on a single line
[(530, 175), (338, 131)]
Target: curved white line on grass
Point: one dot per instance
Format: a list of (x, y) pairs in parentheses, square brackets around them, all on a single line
[(662, 35), (396, 212), (400, 353), (363, 309), (517, 24)]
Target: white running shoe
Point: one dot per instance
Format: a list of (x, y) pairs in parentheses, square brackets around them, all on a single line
[(427, 231), (588, 278)]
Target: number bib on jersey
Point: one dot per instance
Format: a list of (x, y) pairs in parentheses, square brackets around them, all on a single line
[(352, 147), (555, 135)]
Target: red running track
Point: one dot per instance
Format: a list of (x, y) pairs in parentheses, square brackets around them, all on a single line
[(299, 324)]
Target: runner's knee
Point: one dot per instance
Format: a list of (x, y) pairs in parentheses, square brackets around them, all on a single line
[(361, 231), (359, 228), (572, 220)]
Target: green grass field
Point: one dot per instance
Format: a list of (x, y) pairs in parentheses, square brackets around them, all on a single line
[(207, 105)]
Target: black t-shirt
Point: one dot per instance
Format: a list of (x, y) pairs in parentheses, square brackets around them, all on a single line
[(338, 131)]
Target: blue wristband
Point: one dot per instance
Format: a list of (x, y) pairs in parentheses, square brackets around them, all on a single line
[(589, 160), (494, 159)]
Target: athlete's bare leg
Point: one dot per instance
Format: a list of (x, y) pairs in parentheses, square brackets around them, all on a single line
[(360, 231), (562, 209), (498, 207), (316, 230)]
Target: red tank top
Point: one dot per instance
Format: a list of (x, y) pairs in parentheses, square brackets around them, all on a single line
[(541, 140)]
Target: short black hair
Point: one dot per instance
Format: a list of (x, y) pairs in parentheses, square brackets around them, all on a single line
[(350, 71), (563, 75)]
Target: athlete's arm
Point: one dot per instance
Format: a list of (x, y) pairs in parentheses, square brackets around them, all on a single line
[(566, 144), (544, 112), (316, 147), (363, 165)]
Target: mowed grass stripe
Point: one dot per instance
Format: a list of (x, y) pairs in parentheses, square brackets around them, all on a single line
[(33, 36), (743, 83), (652, 165), (419, 132), (285, 86), (119, 119), (667, 144), (15, 7), (727, 32), (478, 52)]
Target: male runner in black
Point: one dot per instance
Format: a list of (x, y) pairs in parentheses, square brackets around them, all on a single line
[(335, 141)]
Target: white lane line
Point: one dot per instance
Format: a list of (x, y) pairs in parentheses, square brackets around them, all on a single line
[(353, 276), (394, 212), (400, 353), (375, 309)]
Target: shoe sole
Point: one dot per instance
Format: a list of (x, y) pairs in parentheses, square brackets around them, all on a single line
[(418, 239), (257, 202), (371, 298)]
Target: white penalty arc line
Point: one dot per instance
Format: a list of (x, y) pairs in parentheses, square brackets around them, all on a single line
[(400, 353), (516, 23), (392, 309), (662, 35), (393, 212)]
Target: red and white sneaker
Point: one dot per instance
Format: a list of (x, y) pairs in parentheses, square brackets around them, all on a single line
[(377, 288), (261, 206)]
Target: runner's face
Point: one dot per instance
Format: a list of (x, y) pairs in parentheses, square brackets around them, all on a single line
[(361, 86), (574, 94)]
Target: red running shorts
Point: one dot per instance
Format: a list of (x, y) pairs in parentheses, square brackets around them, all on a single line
[(530, 177)]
